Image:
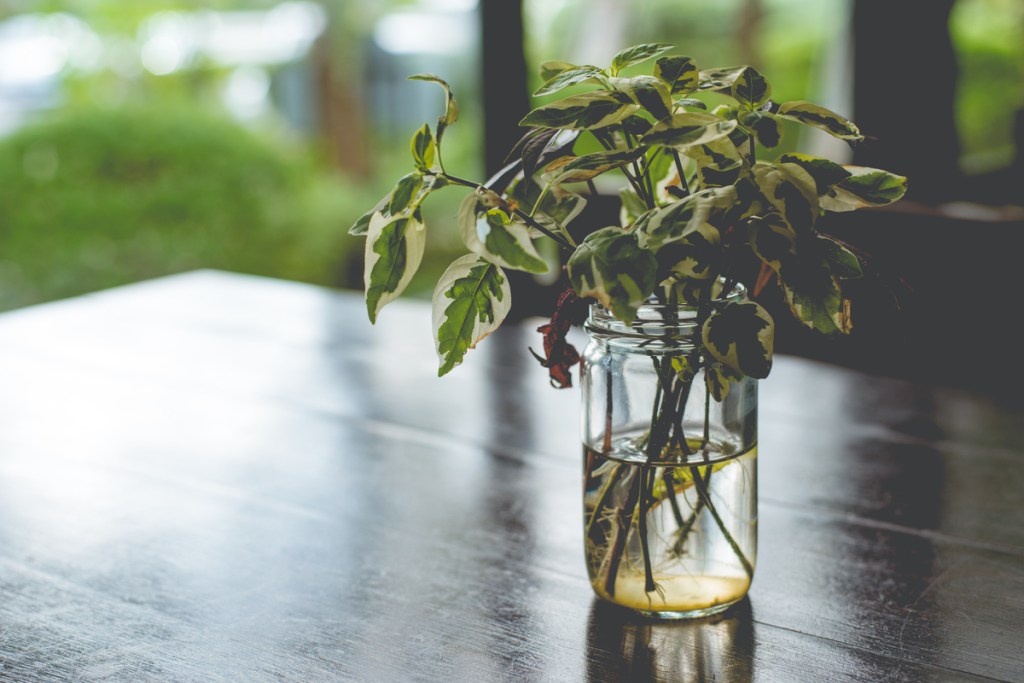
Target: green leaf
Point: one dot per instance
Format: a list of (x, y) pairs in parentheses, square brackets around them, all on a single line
[(750, 88), (632, 206), (553, 67), (405, 192), (470, 301), (791, 191), (394, 249), (679, 73), (741, 337), (451, 107), (423, 148), (826, 173), (719, 79), (683, 368), (649, 92), (492, 234), (687, 130), (841, 261), (571, 76), (814, 115), (636, 54), (610, 266), (587, 111)]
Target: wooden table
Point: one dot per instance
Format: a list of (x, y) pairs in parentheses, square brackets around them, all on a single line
[(219, 477)]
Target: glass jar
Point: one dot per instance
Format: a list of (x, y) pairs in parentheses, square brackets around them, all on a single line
[(670, 473)]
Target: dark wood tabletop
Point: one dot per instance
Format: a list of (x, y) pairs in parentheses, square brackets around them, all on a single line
[(219, 477)]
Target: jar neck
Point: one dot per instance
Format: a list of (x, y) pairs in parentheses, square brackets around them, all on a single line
[(656, 320)]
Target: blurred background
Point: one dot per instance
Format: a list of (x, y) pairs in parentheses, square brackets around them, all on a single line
[(139, 139)]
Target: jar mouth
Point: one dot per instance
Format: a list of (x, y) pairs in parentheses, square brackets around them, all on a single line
[(655, 319)]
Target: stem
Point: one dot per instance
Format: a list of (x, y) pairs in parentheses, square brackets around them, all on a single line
[(625, 523), (645, 550), (703, 491), (564, 241), (682, 175)]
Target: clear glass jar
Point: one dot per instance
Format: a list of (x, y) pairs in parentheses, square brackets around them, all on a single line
[(670, 474)]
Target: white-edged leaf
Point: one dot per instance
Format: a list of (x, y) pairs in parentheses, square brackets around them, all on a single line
[(636, 54), (394, 249), (750, 88), (470, 301), (679, 73), (864, 187), (553, 67), (649, 92), (689, 129), (817, 116), (570, 76), (451, 107), (587, 111), (491, 233), (791, 191)]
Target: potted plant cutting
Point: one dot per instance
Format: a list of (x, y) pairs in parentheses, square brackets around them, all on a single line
[(669, 379)]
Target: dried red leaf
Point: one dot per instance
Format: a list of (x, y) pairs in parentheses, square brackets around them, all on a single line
[(559, 354)]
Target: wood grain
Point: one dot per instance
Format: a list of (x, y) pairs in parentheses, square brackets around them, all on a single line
[(218, 477)]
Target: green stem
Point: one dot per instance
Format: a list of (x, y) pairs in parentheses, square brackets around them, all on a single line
[(703, 491), (562, 240), (646, 484), (682, 175)]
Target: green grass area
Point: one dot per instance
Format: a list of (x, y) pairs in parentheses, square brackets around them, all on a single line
[(95, 198)]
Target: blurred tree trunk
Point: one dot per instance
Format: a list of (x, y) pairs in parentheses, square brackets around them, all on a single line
[(748, 32), (905, 75), (337, 71), (506, 99)]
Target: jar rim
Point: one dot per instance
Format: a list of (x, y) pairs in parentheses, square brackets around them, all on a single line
[(655, 319)]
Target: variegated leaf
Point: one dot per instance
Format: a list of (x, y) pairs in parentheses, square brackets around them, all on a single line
[(750, 88), (693, 292), (451, 107), (588, 166), (826, 173), (841, 261), (553, 67), (491, 233), (791, 191), (362, 224), (719, 79), (691, 103), (406, 192), (764, 127), (675, 221), (679, 73), (741, 336), (687, 130), (773, 240), (864, 187), (697, 255), (632, 207), (470, 301), (610, 266), (719, 162), (587, 111), (649, 92), (636, 54), (820, 117), (815, 297), (423, 148), (571, 76), (394, 249), (716, 381)]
